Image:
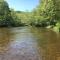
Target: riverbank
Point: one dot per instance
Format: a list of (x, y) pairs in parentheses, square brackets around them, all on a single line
[(55, 28)]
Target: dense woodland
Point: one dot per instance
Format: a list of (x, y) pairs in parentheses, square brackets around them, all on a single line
[(46, 14)]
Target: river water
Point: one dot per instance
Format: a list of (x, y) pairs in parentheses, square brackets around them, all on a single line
[(29, 43)]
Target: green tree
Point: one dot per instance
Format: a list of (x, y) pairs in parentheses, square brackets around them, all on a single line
[(4, 13)]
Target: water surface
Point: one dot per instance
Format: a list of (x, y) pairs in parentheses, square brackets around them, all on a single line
[(29, 43)]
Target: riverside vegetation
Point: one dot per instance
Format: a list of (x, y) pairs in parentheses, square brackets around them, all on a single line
[(46, 14)]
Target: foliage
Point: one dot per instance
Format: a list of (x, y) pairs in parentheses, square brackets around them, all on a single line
[(8, 17), (47, 13), (4, 13)]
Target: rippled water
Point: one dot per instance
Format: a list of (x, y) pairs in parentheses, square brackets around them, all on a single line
[(29, 43)]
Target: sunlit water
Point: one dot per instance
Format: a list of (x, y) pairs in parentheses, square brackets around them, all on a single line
[(29, 43)]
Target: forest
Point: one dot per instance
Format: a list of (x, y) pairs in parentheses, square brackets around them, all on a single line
[(46, 15)]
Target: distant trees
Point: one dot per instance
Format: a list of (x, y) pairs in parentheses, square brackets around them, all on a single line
[(47, 13)]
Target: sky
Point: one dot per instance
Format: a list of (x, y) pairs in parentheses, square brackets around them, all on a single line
[(23, 5)]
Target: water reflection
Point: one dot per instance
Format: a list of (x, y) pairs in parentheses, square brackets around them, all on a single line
[(18, 44), (4, 39), (24, 43), (49, 43)]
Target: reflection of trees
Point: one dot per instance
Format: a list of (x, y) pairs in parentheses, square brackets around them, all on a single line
[(49, 42), (5, 38)]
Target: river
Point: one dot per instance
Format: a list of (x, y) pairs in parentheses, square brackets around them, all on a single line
[(29, 43)]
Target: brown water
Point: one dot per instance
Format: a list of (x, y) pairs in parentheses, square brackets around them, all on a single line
[(27, 43)]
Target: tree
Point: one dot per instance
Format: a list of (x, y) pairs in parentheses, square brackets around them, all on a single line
[(4, 13)]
